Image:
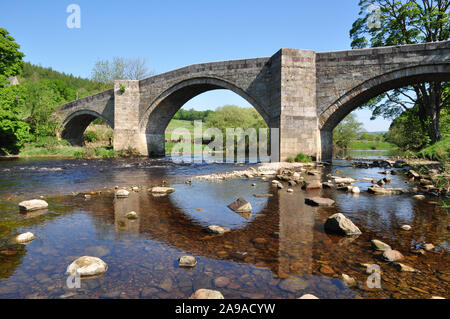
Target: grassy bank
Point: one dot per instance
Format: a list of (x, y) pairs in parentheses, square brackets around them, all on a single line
[(371, 145)]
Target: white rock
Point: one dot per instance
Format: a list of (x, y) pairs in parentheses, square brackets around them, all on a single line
[(406, 227), (132, 215), (34, 204), (217, 229), (187, 261), (349, 281), (206, 294), (87, 266), (122, 193), (25, 238), (162, 190), (356, 190), (308, 296)]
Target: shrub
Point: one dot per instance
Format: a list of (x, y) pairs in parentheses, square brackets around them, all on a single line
[(91, 136), (302, 158), (290, 160)]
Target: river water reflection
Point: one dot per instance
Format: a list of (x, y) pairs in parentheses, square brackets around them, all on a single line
[(279, 251)]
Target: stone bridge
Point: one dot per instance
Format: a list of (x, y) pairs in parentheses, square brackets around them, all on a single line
[(302, 93)]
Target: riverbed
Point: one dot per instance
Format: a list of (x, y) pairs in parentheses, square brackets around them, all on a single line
[(280, 250)]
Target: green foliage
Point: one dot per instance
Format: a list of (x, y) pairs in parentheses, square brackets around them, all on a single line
[(122, 89), (405, 22), (191, 115), (231, 116), (10, 57), (90, 136), (401, 22), (14, 133), (302, 158), (290, 160), (406, 130), (346, 131), (439, 151)]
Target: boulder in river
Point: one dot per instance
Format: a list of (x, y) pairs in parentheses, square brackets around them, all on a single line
[(187, 261), (240, 206), (349, 281), (308, 296), (379, 245), (387, 191), (122, 193), (419, 197), (25, 238), (87, 266), (312, 185), (405, 227), (132, 215), (162, 190), (405, 268), (217, 230), (344, 180), (206, 294), (392, 255), (31, 205), (319, 201), (341, 225)]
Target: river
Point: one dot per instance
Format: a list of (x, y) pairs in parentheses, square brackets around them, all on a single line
[(280, 251)]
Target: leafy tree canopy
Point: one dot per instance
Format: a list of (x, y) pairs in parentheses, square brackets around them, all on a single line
[(10, 57)]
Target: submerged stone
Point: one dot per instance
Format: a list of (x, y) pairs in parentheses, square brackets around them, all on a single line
[(319, 201)]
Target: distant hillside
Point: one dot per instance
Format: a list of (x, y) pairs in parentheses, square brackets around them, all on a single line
[(84, 87)]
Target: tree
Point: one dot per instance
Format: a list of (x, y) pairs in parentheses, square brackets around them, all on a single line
[(105, 71), (346, 131), (14, 133), (406, 22), (11, 63)]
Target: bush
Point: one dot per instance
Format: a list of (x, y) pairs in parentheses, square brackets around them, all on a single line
[(290, 160), (302, 158), (91, 136)]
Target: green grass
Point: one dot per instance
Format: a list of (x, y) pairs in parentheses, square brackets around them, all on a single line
[(371, 145), (437, 152), (69, 151)]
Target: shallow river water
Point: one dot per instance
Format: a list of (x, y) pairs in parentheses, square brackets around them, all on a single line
[(280, 251)]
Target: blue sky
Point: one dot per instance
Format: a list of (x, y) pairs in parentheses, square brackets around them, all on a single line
[(171, 34)]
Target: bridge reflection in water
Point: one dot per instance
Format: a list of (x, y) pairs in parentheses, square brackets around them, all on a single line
[(278, 237)]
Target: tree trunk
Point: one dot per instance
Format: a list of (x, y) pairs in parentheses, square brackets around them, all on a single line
[(430, 108)]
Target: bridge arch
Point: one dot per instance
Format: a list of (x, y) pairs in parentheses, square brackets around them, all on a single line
[(161, 110), (76, 123), (345, 104)]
